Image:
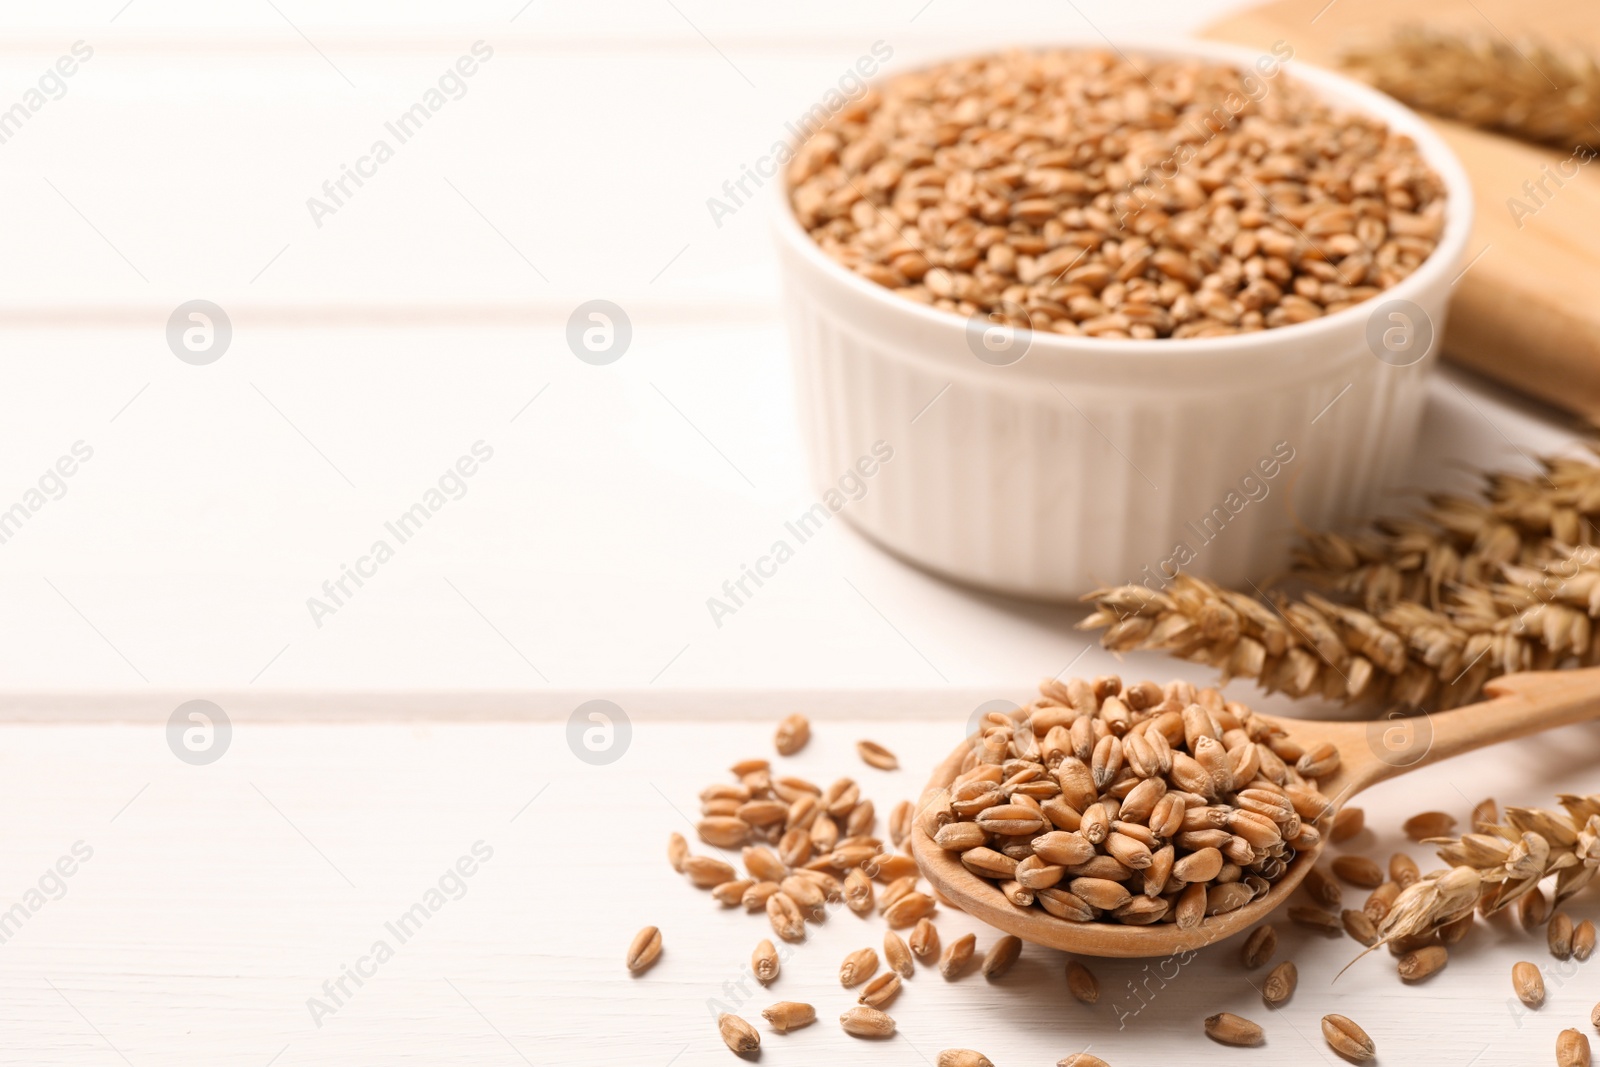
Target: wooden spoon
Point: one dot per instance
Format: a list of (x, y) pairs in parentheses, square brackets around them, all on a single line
[(1369, 753)]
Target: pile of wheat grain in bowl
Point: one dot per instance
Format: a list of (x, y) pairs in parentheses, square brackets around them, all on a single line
[(1084, 193), (1143, 805)]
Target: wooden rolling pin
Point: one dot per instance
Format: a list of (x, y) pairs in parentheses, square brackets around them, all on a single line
[(1527, 311)]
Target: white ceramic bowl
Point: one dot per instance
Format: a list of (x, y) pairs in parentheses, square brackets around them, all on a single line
[(1093, 462)]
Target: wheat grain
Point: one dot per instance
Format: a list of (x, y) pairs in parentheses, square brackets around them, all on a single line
[(900, 823), (894, 891), (1347, 1039), (1572, 1049), (897, 954), (1428, 824), (793, 733), (784, 914), (857, 967), (866, 1022), (1527, 983), (807, 895), (1259, 946), (924, 940), (789, 1015), (763, 864), (888, 867), (957, 955), (1359, 926), (859, 894), (1230, 1029), (737, 1034), (764, 962), (908, 909), (1347, 824), (1063, 219), (1451, 933), (875, 755), (1280, 984), (1359, 871), (840, 798), (1380, 901), (707, 873), (861, 821), (759, 814), (881, 990), (644, 950), (1000, 957), (1082, 983), (1316, 918), (1533, 908), (1323, 889), (1583, 941), (1559, 934), (1404, 945), (962, 1057), (1422, 963), (729, 894)]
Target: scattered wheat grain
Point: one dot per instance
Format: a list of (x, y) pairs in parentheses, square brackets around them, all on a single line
[(1280, 984), (1559, 934), (866, 1022), (644, 950), (962, 1057), (1423, 962), (1347, 824), (793, 733), (1422, 826), (1347, 1039), (764, 961), (1231, 1029), (1259, 946), (881, 990), (737, 1034), (789, 1015), (1001, 955), (875, 755), (1572, 1049), (1528, 983), (1082, 983)]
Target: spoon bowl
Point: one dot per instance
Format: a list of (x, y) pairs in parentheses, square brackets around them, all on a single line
[(1369, 753)]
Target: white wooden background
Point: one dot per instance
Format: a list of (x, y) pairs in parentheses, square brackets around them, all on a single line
[(428, 314), (370, 353)]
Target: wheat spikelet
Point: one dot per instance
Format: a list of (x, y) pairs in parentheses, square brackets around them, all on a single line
[(1524, 519), (1421, 611), (1527, 89), (1503, 862)]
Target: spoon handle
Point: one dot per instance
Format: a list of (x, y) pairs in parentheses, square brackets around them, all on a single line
[(1528, 702)]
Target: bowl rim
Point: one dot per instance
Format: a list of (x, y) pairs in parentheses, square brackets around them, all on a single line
[(1130, 354)]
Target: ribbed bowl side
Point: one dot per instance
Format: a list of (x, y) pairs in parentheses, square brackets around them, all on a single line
[(1050, 488)]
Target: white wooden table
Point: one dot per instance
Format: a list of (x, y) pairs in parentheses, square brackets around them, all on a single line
[(219, 899), (426, 314)]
